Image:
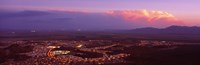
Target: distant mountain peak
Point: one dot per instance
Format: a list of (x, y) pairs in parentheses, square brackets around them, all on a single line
[(175, 26), (170, 30)]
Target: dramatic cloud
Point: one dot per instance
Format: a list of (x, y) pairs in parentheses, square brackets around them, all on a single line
[(149, 17), (73, 20)]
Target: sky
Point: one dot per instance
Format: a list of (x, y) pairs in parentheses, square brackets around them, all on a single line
[(186, 11)]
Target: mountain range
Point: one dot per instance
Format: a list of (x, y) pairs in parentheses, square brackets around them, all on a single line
[(169, 30)]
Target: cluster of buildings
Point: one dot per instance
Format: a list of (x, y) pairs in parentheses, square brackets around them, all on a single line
[(63, 52), (65, 56), (51, 52), (155, 43)]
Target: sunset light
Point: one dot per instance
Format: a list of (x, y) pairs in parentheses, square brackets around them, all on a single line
[(99, 32)]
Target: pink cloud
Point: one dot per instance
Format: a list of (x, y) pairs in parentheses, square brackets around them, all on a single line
[(150, 17)]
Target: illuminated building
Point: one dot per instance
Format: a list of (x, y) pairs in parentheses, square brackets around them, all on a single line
[(53, 47), (60, 52)]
